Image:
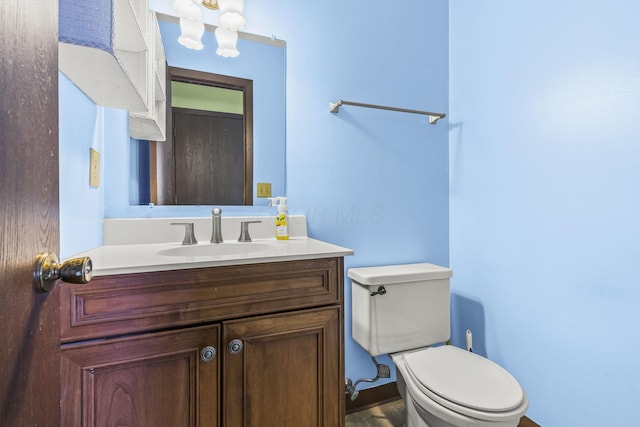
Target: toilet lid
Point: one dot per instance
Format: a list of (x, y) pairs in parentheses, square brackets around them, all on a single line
[(465, 378)]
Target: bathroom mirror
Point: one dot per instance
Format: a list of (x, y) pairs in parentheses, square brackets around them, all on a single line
[(262, 61)]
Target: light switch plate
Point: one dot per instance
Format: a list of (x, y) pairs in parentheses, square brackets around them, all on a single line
[(264, 189), (94, 168)]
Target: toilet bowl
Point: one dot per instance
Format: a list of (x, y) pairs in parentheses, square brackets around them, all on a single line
[(403, 310), (446, 386)]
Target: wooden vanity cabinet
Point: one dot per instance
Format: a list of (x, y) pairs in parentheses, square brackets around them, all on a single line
[(287, 373), (136, 347), (156, 379)]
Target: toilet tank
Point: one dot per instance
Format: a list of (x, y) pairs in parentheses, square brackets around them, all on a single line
[(413, 312)]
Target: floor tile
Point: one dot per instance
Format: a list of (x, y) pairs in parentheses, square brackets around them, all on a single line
[(386, 415)]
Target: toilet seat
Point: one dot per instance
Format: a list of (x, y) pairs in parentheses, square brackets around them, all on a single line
[(464, 382)]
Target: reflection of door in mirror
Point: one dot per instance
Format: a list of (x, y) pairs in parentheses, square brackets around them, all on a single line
[(208, 156), (208, 152)]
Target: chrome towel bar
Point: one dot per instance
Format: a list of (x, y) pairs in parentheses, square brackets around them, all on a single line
[(334, 107)]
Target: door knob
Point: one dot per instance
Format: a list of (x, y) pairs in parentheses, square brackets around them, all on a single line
[(48, 270)]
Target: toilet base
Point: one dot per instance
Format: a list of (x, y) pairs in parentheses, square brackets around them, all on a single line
[(417, 416)]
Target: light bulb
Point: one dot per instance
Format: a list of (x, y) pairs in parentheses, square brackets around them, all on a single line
[(232, 21), (231, 14), (227, 40), (188, 8), (231, 6), (192, 32)]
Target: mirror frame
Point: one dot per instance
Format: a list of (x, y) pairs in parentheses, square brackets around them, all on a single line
[(217, 80)]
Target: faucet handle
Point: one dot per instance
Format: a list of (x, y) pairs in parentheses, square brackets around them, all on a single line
[(216, 224), (244, 231), (189, 236)]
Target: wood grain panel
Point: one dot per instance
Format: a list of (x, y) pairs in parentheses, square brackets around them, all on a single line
[(114, 305), (149, 380), (209, 155), (289, 372), (29, 355)]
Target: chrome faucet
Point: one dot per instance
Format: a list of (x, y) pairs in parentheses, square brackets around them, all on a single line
[(216, 235), (189, 236), (244, 231)]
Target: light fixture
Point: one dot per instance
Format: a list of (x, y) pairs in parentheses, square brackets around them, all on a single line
[(231, 14), (210, 4), (192, 29), (227, 40), (188, 9), (191, 35)]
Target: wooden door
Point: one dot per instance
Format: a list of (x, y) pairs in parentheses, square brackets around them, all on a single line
[(289, 372), (29, 347), (209, 157), (158, 379)]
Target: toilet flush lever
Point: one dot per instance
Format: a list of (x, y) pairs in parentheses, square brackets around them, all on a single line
[(381, 291)]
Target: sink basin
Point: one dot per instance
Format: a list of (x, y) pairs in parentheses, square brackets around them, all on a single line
[(220, 250)]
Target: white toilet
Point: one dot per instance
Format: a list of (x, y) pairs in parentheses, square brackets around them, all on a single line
[(403, 309)]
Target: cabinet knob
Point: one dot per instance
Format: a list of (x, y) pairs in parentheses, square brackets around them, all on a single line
[(208, 353), (235, 346)]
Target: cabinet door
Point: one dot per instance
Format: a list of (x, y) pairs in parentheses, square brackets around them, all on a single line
[(288, 373), (161, 380)]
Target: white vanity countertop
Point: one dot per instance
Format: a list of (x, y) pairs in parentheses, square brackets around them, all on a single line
[(123, 259), (136, 245)]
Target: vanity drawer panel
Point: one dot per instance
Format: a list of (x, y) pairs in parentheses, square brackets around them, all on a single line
[(121, 304)]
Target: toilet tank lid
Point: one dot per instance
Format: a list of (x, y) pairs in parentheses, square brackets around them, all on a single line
[(390, 274)]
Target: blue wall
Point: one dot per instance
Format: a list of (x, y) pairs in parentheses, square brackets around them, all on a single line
[(545, 213), (81, 207), (542, 147), (374, 181)]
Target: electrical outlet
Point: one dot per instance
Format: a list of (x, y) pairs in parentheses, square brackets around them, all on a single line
[(264, 189), (94, 168)]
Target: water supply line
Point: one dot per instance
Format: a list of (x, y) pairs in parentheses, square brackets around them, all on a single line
[(382, 371)]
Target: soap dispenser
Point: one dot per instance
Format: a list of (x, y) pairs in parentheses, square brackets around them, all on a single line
[(282, 219)]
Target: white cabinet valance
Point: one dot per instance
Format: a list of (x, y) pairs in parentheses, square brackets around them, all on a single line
[(111, 50)]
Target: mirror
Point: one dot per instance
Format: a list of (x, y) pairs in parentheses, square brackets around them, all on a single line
[(261, 61), (207, 158)]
